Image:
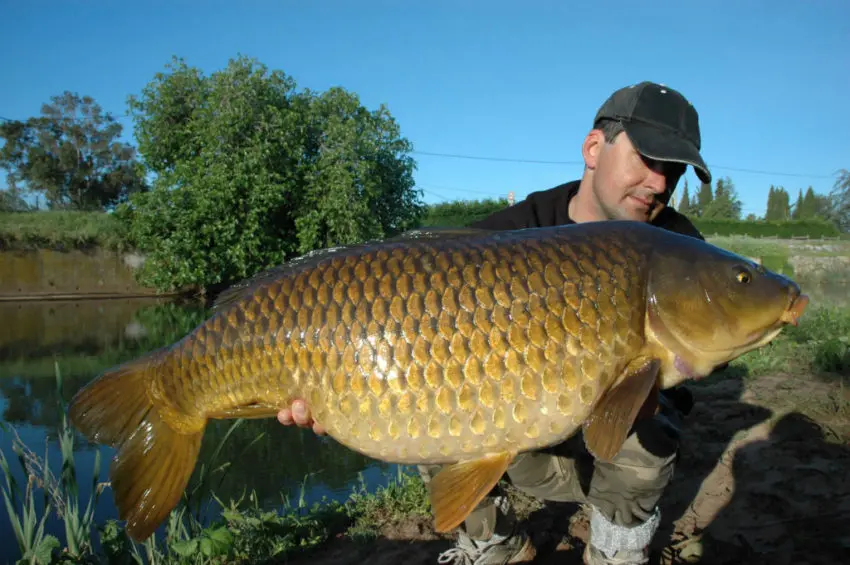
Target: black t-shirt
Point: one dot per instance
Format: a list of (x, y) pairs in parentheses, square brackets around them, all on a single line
[(550, 207)]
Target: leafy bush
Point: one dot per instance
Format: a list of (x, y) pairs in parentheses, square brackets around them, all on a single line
[(250, 172), (461, 213)]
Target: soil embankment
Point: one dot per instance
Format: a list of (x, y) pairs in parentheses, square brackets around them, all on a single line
[(38, 274)]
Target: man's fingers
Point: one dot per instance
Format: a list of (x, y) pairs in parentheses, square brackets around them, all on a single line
[(285, 417), (301, 414)]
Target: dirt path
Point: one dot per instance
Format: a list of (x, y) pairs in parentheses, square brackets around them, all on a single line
[(763, 478)]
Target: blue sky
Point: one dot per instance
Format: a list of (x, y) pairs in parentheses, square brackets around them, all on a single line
[(516, 80)]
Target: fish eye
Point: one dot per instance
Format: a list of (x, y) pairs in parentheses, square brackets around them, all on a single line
[(743, 277)]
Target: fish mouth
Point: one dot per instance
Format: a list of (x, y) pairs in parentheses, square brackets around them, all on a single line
[(795, 310), (791, 316)]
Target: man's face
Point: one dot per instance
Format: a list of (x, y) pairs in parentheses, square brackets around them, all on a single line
[(626, 185)]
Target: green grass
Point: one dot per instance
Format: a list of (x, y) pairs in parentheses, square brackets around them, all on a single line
[(60, 230), (814, 228)]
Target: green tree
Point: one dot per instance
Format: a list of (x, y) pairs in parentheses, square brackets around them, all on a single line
[(12, 199), (71, 155), (821, 206), (778, 204), (797, 212), (704, 198), (810, 205), (784, 204), (725, 204), (771, 203), (684, 206), (250, 172), (839, 204)]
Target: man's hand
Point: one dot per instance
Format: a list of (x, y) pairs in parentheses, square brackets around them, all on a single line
[(299, 414)]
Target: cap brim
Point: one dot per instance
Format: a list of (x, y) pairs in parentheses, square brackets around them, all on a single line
[(656, 143)]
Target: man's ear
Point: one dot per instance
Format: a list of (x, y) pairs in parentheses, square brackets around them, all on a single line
[(592, 146)]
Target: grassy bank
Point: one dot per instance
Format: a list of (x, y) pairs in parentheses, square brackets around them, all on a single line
[(818, 350), (60, 230)]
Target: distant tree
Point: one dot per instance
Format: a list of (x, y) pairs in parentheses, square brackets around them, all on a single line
[(250, 172), (810, 205), (704, 198), (797, 211), (778, 204), (784, 205), (771, 203), (71, 155), (839, 209), (12, 199), (725, 204), (821, 206), (684, 206)]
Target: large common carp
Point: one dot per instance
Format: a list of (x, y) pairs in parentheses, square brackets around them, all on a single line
[(458, 347)]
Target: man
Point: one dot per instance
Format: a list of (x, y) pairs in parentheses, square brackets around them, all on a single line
[(642, 139)]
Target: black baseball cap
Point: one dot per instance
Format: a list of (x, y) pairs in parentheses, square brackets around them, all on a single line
[(660, 123)]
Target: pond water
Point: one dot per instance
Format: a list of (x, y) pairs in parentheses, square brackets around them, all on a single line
[(85, 337)]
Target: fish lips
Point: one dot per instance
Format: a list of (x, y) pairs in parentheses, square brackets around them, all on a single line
[(795, 310), (791, 316)]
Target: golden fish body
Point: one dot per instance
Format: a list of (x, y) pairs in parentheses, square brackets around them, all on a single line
[(430, 351), (462, 348)]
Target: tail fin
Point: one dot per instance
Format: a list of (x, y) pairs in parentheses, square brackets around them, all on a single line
[(153, 462)]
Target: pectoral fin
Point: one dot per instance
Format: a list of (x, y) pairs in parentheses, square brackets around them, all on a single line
[(457, 489), (612, 417)]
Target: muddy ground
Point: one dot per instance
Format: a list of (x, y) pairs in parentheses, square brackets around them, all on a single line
[(764, 477)]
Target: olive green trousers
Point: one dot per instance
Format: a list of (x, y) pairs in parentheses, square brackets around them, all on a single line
[(625, 490)]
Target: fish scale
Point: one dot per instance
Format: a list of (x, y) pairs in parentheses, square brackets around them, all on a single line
[(422, 353)]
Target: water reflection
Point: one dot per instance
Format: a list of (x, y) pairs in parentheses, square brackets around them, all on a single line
[(87, 337)]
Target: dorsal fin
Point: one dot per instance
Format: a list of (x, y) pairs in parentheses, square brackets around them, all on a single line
[(310, 259)]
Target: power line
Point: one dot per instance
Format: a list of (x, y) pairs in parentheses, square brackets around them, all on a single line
[(546, 162), (540, 161), (505, 159)]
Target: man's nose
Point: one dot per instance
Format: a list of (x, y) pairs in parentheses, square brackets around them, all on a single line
[(656, 180)]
